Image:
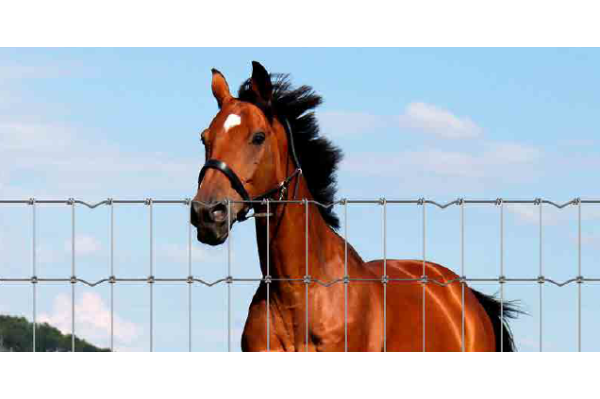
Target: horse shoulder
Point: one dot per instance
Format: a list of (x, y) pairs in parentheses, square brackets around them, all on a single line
[(254, 337)]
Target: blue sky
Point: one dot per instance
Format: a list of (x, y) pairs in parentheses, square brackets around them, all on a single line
[(435, 123)]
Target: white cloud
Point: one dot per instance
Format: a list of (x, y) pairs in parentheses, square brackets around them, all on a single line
[(84, 245), (47, 159), (438, 121), (493, 160), (420, 116), (92, 318), (65, 164)]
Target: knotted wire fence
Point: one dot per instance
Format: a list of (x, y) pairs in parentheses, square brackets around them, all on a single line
[(307, 280)]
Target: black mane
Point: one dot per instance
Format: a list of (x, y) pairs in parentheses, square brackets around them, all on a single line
[(318, 157)]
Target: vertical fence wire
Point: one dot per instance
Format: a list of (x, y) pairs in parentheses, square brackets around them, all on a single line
[(112, 274), (190, 274), (424, 272), (346, 277), (385, 276), (268, 277), (151, 277), (306, 275), (73, 278), (34, 268), (579, 275), (462, 271), (541, 280), (229, 281), (308, 280), (501, 203)]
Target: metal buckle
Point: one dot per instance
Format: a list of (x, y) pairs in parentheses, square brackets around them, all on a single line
[(282, 192)]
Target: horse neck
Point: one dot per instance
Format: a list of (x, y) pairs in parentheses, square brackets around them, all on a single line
[(286, 230)]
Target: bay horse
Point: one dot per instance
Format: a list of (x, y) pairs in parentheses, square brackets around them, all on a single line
[(265, 144)]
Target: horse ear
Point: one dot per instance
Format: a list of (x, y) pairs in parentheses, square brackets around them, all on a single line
[(220, 88), (261, 83)]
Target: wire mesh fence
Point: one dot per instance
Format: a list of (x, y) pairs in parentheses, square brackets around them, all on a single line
[(307, 280)]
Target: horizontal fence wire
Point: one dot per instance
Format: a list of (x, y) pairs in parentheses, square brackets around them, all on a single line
[(34, 279), (226, 280), (307, 280), (419, 201)]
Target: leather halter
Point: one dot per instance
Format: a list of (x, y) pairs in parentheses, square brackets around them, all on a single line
[(238, 186)]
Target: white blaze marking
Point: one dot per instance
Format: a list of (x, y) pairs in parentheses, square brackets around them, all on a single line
[(232, 121)]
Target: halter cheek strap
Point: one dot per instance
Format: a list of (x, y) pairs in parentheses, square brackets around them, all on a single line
[(237, 184)]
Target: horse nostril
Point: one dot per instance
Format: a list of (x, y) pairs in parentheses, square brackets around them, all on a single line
[(202, 214), (218, 213)]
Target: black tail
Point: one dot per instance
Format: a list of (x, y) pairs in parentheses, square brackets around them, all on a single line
[(500, 313)]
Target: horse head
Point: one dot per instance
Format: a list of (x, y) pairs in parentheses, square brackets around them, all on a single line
[(246, 151)]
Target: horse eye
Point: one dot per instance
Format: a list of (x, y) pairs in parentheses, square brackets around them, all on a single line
[(258, 138)]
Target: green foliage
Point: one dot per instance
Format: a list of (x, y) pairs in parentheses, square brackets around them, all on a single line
[(16, 335)]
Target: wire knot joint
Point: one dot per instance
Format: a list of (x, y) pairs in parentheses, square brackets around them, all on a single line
[(541, 279)]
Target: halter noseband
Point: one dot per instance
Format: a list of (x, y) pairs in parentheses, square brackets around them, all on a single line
[(237, 184)]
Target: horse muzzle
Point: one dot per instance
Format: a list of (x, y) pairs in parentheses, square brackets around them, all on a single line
[(211, 222)]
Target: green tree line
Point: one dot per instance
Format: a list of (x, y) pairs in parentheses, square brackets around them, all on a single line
[(16, 335)]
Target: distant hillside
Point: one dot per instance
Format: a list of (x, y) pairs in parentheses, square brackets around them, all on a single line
[(16, 335)]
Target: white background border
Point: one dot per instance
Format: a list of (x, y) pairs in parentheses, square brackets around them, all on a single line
[(313, 23), (300, 23)]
